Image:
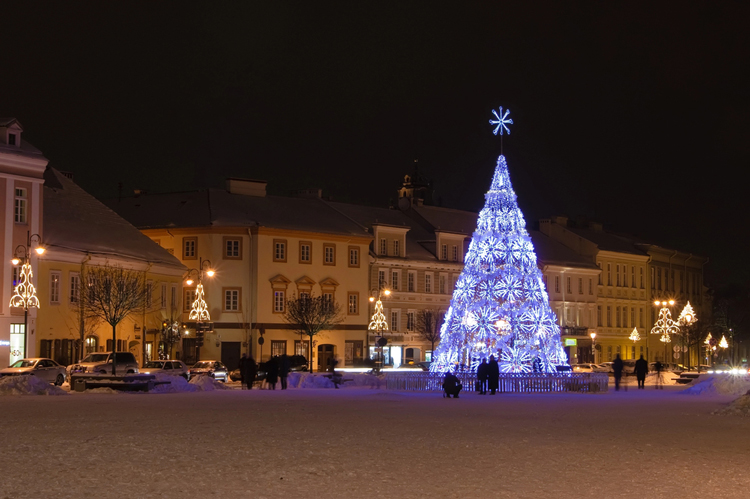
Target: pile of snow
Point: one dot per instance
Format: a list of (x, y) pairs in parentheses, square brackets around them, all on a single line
[(176, 384), (739, 407), (204, 384), (308, 380), (365, 381), (719, 384), (28, 385)]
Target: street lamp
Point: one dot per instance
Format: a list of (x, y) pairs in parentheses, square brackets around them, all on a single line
[(378, 323), (593, 345), (686, 319), (199, 309), (24, 294), (664, 324)]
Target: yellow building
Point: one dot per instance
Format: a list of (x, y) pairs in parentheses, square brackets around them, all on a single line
[(264, 250), (81, 232)]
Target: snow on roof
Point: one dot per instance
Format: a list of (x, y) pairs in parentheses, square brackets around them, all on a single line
[(75, 220)]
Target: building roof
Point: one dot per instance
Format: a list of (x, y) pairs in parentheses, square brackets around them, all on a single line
[(219, 208), (607, 241), (447, 219), (550, 252), (75, 220)]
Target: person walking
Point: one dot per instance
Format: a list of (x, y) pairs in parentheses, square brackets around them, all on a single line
[(482, 374), (493, 375), (251, 370), (241, 368), (284, 368), (658, 367), (641, 368), (617, 368), (272, 372)]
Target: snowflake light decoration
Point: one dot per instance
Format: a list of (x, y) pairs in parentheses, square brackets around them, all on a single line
[(515, 360), (502, 121)]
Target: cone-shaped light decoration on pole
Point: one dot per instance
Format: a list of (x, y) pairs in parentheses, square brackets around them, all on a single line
[(723, 343), (378, 322), (687, 316), (24, 294), (635, 336), (199, 311)]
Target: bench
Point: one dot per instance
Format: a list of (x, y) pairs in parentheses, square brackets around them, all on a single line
[(127, 383)]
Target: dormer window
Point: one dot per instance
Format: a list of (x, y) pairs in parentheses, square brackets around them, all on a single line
[(12, 139)]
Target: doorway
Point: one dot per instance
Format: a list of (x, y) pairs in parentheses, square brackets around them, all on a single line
[(230, 354), (326, 354)]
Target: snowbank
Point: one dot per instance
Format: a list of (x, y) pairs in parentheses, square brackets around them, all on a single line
[(309, 380), (739, 407), (202, 383), (364, 381), (28, 385), (719, 384)]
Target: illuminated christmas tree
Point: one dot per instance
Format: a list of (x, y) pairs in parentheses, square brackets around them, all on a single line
[(500, 306)]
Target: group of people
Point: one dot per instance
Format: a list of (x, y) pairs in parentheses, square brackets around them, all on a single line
[(488, 379), (277, 368), (640, 371)]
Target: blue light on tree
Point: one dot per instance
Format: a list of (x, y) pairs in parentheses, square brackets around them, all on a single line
[(502, 121), (500, 306)]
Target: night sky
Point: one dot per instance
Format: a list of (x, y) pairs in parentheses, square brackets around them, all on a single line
[(632, 114)]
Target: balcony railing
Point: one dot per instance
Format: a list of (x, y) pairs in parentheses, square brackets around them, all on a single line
[(508, 383)]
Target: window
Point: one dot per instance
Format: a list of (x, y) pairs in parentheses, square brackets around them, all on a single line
[(442, 285), (382, 281), (641, 270), (396, 249), (231, 299), (600, 273), (428, 283), (455, 253), (279, 250), (624, 316), (640, 317), (410, 321), (557, 284), (329, 254), (16, 276), (328, 298), (305, 252), (173, 298), (568, 285), (75, 287), (580, 285), (609, 274), (189, 248), (383, 247), (278, 302), (163, 296), (149, 293), (410, 282), (617, 317), (653, 278), (232, 248), (12, 139), (599, 316), (54, 287), (189, 294), (658, 278), (278, 348), (632, 316), (444, 252), (632, 276), (618, 274), (302, 347), (591, 286), (353, 301), (394, 320), (609, 316), (20, 213), (394, 280), (353, 256)]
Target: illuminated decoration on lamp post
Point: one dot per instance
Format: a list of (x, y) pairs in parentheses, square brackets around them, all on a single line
[(24, 294), (686, 319), (664, 324), (635, 336), (378, 323), (500, 283), (199, 309), (723, 343)]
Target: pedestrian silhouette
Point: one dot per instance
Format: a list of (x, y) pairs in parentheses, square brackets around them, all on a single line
[(482, 374), (493, 375), (641, 368), (617, 368), (658, 367)]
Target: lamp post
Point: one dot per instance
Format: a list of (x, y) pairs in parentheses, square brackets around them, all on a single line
[(686, 319), (593, 345), (24, 294), (378, 323), (199, 309), (664, 325)]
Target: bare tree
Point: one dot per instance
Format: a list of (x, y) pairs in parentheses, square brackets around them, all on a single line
[(112, 293), (310, 315), (429, 322)]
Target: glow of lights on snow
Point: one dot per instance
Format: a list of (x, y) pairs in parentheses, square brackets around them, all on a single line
[(24, 294), (199, 311), (502, 121)]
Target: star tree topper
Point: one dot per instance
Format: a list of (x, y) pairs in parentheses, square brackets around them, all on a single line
[(502, 121)]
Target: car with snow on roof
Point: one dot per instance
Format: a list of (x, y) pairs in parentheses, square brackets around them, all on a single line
[(40, 367)]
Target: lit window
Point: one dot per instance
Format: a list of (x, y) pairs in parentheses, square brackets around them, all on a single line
[(278, 302), (75, 287), (353, 303), (232, 249), (231, 300)]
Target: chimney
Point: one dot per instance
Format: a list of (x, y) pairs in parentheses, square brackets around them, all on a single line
[(247, 187)]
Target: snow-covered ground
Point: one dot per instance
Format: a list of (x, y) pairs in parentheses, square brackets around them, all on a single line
[(361, 442)]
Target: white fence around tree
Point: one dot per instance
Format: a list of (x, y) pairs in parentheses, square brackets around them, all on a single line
[(508, 383)]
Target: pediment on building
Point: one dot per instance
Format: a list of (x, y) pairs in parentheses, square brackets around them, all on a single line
[(329, 282), (279, 281)]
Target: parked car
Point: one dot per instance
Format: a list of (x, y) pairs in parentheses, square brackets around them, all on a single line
[(584, 368), (172, 367), (212, 368), (101, 363), (45, 369)]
